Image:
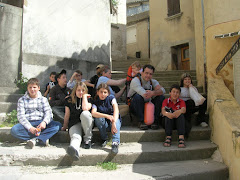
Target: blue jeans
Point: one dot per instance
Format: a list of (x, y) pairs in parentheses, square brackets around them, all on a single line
[(137, 107), (104, 126), (22, 133)]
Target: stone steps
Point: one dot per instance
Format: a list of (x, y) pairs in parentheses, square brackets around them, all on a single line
[(6, 107), (129, 153), (5, 97), (183, 170), (128, 134)]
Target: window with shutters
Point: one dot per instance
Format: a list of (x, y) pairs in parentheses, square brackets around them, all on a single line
[(173, 7)]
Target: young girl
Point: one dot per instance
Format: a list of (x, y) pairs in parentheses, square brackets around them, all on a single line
[(106, 113), (185, 83), (78, 117)]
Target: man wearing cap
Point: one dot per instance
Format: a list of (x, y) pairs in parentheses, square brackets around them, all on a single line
[(57, 96), (93, 80)]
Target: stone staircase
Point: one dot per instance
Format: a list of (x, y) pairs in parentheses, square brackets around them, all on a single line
[(141, 153), (8, 100)]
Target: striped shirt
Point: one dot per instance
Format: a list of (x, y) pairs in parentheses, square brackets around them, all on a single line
[(32, 109)]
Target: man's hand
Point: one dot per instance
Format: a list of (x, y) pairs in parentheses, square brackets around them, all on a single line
[(33, 130), (148, 94), (42, 125)]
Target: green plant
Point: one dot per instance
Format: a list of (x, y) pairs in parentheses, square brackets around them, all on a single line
[(11, 119), (21, 83), (108, 165)]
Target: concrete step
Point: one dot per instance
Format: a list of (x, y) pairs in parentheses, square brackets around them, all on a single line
[(159, 78), (10, 90), (206, 169), (128, 134), (129, 153), (4, 97), (6, 107)]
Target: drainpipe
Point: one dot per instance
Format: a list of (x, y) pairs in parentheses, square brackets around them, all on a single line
[(149, 38), (204, 48)]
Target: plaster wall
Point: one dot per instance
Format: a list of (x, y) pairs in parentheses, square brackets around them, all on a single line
[(118, 32), (10, 43), (141, 43), (165, 33), (224, 120), (199, 41), (236, 74), (65, 34), (216, 49)]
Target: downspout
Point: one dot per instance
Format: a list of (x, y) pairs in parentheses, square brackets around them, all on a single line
[(204, 48), (149, 38)]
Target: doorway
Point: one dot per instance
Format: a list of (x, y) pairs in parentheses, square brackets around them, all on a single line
[(180, 57)]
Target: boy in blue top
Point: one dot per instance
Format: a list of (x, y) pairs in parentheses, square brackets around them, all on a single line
[(33, 113), (106, 113)]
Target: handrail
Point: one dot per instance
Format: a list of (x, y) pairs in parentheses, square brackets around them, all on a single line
[(229, 55)]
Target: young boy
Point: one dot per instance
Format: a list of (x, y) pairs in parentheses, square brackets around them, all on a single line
[(51, 84), (76, 77), (34, 114), (173, 109)]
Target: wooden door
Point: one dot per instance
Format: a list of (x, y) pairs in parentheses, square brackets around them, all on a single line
[(185, 61)]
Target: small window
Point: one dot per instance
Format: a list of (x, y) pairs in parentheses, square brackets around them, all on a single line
[(173, 7)]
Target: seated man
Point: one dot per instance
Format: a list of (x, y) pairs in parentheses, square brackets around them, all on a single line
[(76, 77), (142, 89), (35, 117), (173, 109), (57, 96)]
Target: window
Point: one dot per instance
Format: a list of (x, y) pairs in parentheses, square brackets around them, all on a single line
[(173, 7)]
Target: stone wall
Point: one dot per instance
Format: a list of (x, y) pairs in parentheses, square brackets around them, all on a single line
[(65, 34)]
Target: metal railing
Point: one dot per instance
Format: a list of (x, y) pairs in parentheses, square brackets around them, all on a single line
[(229, 55)]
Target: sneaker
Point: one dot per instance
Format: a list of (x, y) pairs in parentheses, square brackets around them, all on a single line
[(115, 147), (142, 126), (31, 142), (73, 153), (204, 124), (154, 126), (87, 145), (41, 143), (104, 143)]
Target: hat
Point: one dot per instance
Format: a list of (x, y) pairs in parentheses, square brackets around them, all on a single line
[(100, 66), (62, 72)]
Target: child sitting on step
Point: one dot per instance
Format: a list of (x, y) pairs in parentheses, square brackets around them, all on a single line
[(77, 119), (173, 109), (107, 118), (35, 117)]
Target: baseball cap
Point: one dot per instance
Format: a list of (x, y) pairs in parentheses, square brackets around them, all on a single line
[(100, 66), (62, 72)]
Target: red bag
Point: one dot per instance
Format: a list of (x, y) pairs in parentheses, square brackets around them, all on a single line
[(149, 113)]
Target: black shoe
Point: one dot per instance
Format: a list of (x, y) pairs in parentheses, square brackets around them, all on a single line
[(73, 153), (115, 148), (87, 145), (154, 126), (104, 143), (142, 126)]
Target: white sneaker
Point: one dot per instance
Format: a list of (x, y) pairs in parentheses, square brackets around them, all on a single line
[(204, 124), (31, 142), (47, 142)]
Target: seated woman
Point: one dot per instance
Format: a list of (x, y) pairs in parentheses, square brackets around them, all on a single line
[(77, 118), (185, 83), (106, 113)]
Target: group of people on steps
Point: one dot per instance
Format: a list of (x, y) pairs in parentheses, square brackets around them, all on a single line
[(78, 104)]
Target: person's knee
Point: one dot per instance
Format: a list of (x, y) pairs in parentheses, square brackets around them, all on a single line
[(14, 131), (86, 116)]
